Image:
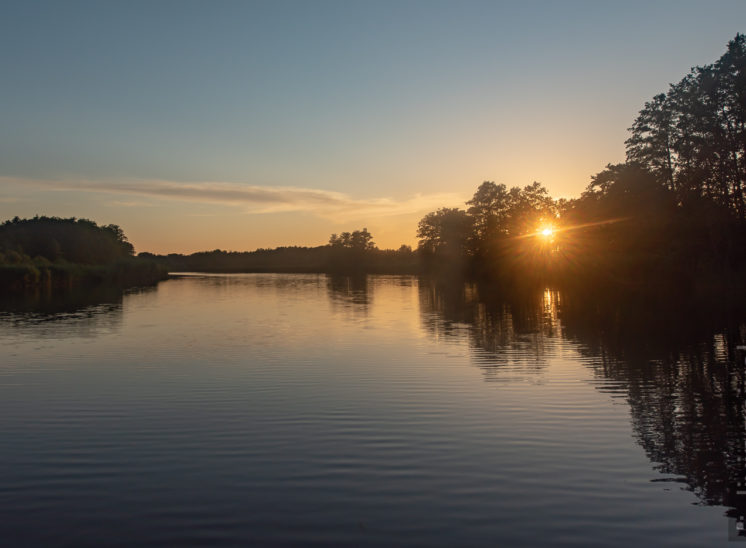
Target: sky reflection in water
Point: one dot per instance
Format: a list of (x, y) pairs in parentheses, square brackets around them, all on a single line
[(300, 409)]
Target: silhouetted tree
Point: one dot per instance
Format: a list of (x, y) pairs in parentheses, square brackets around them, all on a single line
[(489, 209), (361, 240), (498, 212), (445, 232), (693, 138)]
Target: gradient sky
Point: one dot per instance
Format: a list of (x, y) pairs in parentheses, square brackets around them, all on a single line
[(237, 125)]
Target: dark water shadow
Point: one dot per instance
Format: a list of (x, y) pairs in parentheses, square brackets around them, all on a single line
[(676, 363), (502, 329), (683, 376), (350, 292), (78, 312)]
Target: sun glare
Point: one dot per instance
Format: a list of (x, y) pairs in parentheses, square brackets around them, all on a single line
[(546, 232)]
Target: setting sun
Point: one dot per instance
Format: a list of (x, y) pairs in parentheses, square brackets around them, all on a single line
[(547, 232)]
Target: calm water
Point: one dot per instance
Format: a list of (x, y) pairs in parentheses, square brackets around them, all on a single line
[(235, 410)]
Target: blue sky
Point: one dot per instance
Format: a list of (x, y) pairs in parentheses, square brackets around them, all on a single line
[(197, 125)]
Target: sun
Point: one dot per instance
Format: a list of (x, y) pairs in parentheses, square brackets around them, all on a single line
[(546, 232)]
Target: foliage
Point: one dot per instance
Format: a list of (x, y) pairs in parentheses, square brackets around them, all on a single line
[(445, 232), (674, 214), (360, 240), (352, 252), (73, 240), (497, 211), (693, 138), (55, 252)]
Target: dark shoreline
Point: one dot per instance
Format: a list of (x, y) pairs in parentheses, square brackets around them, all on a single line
[(61, 276)]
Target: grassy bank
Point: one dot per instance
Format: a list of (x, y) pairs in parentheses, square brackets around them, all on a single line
[(41, 273)]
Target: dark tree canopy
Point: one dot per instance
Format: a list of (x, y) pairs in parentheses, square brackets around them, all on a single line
[(693, 138), (495, 213), (676, 210), (361, 240), (446, 231), (73, 240)]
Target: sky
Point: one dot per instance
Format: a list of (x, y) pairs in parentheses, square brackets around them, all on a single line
[(244, 125)]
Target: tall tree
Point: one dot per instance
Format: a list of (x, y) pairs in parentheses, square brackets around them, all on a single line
[(651, 143), (489, 209), (693, 138), (445, 232)]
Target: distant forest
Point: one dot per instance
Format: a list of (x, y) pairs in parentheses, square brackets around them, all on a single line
[(349, 252), (672, 216)]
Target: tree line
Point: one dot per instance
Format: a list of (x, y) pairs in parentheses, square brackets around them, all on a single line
[(346, 253), (673, 214)]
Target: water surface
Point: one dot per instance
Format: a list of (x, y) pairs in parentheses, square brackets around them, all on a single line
[(231, 410)]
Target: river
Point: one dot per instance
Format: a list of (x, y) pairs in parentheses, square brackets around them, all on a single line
[(281, 410)]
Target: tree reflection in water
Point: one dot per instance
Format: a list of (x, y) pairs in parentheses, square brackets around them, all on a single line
[(80, 312), (677, 364), (349, 291)]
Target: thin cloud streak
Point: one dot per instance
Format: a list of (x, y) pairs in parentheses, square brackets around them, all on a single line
[(255, 199), (128, 203)]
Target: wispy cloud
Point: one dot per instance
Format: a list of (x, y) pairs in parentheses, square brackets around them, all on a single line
[(129, 203), (254, 199)]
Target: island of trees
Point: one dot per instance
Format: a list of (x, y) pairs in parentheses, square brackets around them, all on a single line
[(53, 252), (672, 216)]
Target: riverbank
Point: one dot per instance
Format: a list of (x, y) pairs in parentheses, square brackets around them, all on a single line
[(43, 274)]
